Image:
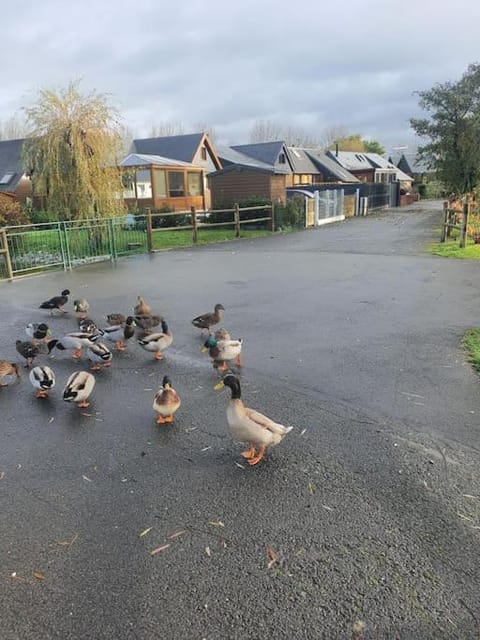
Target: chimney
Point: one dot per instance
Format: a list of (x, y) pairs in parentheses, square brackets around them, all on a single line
[(336, 149)]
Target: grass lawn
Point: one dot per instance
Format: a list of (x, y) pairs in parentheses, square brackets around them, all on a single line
[(451, 249), (183, 237), (471, 342), (47, 247)]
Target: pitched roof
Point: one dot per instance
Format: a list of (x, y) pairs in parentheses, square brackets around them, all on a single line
[(241, 167), (379, 162), (230, 156), (264, 151), (181, 147), (300, 161), (11, 165), (351, 160), (330, 169), (148, 160), (409, 163)]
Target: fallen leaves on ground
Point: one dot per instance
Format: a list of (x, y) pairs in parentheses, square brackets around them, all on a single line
[(38, 575), (159, 549), (216, 523), (177, 534), (145, 531), (64, 543), (272, 556)]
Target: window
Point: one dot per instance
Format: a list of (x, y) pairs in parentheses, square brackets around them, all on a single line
[(176, 186), (194, 181), (7, 177), (144, 185), (159, 183), (281, 158), (204, 153)]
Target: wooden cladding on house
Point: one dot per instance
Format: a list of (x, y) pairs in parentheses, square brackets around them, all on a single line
[(237, 186)]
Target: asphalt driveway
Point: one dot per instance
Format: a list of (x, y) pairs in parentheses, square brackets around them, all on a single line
[(368, 511)]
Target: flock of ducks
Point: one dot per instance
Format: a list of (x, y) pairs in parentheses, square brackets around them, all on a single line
[(246, 425)]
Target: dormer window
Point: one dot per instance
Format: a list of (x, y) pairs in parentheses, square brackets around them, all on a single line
[(282, 159)]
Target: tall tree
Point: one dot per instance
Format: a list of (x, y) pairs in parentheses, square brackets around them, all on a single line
[(167, 128), (73, 153), (452, 131), (13, 129), (270, 131), (373, 146)]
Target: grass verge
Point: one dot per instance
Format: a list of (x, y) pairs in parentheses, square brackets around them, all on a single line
[(451, 249), (471, 342)]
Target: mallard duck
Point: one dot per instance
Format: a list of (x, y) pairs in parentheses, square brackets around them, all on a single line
[(142, 308), (223, 350), (78, 388), (222, 334), (87, 325), (81, 307), (207, 320), (43, 380), (57, 302), (147, 322), (8, 369), (28, 350), (157, 342), (166, 402), (119, 334), (114, 319), (72, 342), (250, 426), (100, 355), (38, 332)]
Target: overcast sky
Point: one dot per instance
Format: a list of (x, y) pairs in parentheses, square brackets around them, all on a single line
[(230, 64)]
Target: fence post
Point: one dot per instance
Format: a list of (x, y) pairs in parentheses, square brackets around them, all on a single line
[(463, 231), (236, 219), (193, 213), (68, 262), (111, 233), (272, 218), (148, 214), (6, 255), (445, 222)]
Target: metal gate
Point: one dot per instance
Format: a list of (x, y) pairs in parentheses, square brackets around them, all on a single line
[(73, 243)]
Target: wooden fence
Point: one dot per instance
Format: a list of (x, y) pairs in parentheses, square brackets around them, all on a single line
[(455, 218)]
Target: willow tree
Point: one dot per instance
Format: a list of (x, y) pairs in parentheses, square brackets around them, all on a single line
[(73, 152)]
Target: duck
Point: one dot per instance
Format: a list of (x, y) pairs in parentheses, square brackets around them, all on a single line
[(100, 355), (43, 380), (57, 302), (81, 307), (38, 332), (72, 342), (157, 342), (120, 333), (142, 308), (114, 319), (223, 350), (207, 320), (87, 325), (28, 350), (166, 402), (147, 322), (8, 369), (248, 425), (78, 388)]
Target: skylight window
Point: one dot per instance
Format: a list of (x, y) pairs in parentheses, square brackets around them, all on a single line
[(7, 177)]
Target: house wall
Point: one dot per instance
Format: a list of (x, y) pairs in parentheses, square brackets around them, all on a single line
[(176, 204), (235, 186), (365, 175)]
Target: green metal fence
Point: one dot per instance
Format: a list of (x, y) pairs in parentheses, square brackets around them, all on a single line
[(67, 244)]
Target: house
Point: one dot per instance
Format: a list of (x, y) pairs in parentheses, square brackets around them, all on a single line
[(312, 166), (266, 169), (371, 167), (154, 181), (418, 169), (13, 179), (194, 148), (262, 175)]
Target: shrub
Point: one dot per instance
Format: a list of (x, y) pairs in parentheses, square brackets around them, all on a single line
[(162, 222), (37, 217), (254, 201), (11, 212), (290, 215)]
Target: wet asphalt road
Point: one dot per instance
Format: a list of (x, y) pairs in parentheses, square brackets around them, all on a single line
[(369, 510)]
